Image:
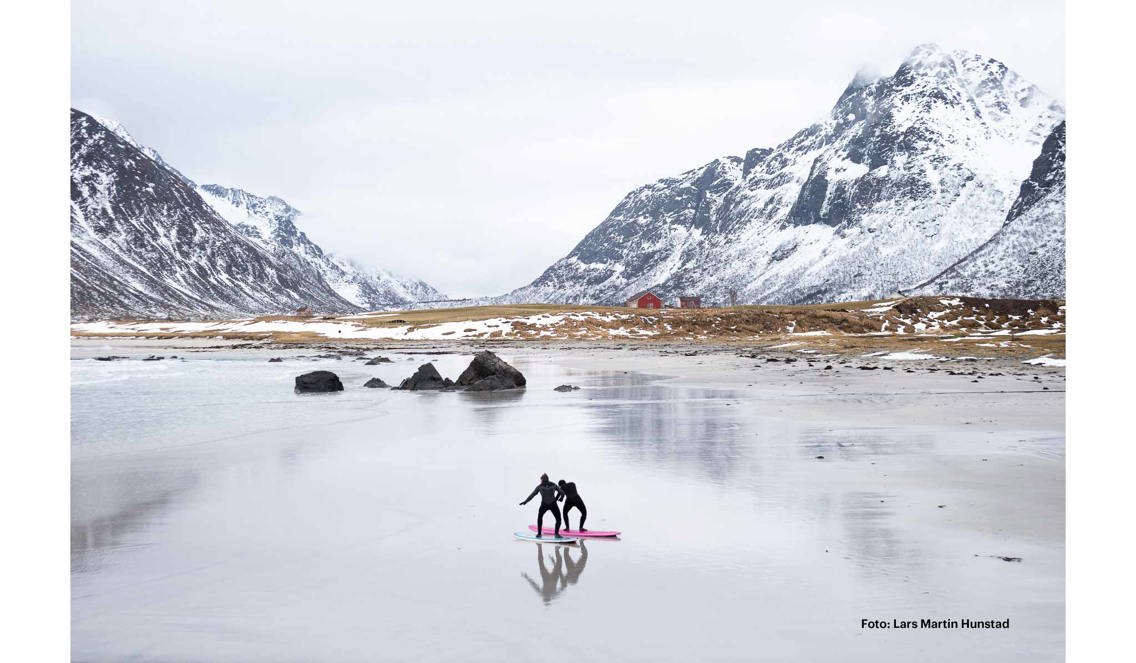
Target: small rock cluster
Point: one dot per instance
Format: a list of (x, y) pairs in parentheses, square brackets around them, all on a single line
[(487, 372)]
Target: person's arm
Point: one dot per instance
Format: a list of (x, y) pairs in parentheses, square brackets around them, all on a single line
[(560, 498), (531, 495)]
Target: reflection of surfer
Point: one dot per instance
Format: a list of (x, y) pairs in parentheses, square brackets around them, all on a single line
[(549, 492), (547, 589), (572, 568)]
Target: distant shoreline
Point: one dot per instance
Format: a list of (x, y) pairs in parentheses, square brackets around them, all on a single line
[(912, 328)]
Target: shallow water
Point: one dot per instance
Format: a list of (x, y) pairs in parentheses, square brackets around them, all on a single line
[(218, 516)]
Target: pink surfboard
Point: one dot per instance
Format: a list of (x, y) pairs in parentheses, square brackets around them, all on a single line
[(573, 533)]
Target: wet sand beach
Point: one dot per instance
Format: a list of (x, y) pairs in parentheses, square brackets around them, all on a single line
[(767, 507)]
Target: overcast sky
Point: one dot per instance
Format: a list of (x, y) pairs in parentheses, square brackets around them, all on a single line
[(472, 144)]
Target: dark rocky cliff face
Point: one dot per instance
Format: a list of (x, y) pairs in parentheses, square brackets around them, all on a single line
[(1047, 175)]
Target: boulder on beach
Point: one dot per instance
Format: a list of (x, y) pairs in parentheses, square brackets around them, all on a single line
[(566, 387), (426, 377), (377, 360), (318, 381), (485, 364), (275, 360), (375, 383)]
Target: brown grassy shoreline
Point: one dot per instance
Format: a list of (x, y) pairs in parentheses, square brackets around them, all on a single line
[(941, 326)]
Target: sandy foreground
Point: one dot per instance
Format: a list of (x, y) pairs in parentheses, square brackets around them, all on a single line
[(767, 507)]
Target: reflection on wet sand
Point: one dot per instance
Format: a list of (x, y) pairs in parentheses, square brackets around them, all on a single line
[(573, 568), (134, 499), (876, 546), (670, 425), (565, 570), (489, 406), (711, 434)]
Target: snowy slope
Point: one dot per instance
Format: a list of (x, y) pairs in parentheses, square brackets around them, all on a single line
[(143, 243), (1026, 257), (907, 175), (146, 241), (270, 222)]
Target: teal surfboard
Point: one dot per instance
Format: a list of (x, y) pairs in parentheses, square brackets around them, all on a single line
[(547, 538)]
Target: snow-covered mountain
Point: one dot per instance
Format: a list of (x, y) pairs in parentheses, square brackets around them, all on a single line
[(144, 243), (270, 223), (906, 175), (1026, 257)]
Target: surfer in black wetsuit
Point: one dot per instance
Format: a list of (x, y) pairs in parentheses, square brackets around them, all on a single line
[(549, 493), (571, 498)]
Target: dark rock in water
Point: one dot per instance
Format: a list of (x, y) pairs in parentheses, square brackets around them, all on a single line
[(491, 383), (377, 360), (820, 457), (769, 359), (790, 360), (426, 377), (375, 382), (153, 358), (868, 368), (1004, 558), (109, 358), (566, 387), (828, 367), (485, 364), (318, 381), (275, 360)]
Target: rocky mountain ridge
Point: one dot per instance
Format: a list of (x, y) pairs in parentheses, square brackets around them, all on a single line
[(146, 241), (907, 175)]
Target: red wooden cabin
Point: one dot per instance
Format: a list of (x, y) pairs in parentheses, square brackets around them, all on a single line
[(645, 299)]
